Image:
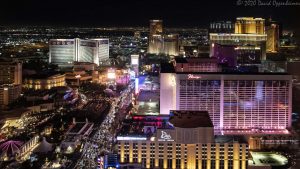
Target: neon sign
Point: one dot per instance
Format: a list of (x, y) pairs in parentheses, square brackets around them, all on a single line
[(165, 137), (191, 76)]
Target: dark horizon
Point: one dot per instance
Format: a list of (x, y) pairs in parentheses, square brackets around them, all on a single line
[(137, 13)]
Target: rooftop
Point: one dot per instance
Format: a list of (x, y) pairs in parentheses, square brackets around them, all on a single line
[(44, 75), (76, 128), (267, 159), (167, 68), (230, 139), (148, 96), (190, 119), (15, 113), (195, 59)]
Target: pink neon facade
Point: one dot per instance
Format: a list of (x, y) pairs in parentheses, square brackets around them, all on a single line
[(234, 101)]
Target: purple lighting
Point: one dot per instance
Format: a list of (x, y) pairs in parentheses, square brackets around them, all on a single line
[(225, 54), (11, 147)]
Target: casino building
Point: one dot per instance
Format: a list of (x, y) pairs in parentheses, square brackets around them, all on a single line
[(44, 81), (160, 43), (244, 43), (233, 100), (249, 40), (64, 52), (187, 141), (155, 45)]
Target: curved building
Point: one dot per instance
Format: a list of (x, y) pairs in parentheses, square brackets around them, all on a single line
[(188, 143)]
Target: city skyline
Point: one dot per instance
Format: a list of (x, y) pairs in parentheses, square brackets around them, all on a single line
[(150, 84)]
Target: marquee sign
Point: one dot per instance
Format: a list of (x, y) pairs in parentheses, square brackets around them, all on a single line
[(193, 77)]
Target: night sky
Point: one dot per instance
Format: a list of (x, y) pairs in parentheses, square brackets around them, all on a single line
[(104, 13)]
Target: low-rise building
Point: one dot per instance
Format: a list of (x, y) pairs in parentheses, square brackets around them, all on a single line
[(78, 77), (44, 81), (74, 135), (148, 103)]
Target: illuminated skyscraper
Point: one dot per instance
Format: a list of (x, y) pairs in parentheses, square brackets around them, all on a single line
[(249, 41), (156, 44), (88, 51), (64, 52), (250, 25), (156, 27), (103, 49), (160, 43), (233, 100), (171, 46), (156, 41), (272, 31)]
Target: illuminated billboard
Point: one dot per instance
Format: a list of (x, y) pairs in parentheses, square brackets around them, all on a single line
[(134, 59), (111, 73)]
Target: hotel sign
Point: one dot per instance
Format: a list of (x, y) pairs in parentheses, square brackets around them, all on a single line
[(164, 136), (193, 77)]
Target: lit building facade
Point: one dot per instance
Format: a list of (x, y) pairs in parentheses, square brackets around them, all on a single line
[(248, 55), (221, 27), (186, 146), (156, 40), (10, 73), (156, 44), (77, 77), (156, 27), (88, 51), (194, 64), (160, 43), (103, 49), (9, 93), (135, 65), (173, 155), (64, 52), (46, 82), (231, 55), (233, 101), (250, 25), (272, 31), (250, 42), (171, 44)]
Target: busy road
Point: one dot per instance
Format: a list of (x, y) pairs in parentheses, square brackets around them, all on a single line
[(102, 141)]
